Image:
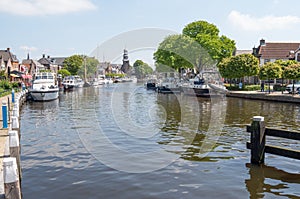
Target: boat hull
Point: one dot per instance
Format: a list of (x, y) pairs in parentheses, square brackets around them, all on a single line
[(68, 87), (163, 89), (151, 86), (199, 92), (49, 95)]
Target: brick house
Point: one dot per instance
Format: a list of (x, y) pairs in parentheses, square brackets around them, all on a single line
[(30, 66), (8, 61), (52, 63), (272, 51)]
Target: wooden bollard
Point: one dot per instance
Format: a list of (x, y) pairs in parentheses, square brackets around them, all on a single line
[(258, 140), (14, 147), (12, 188)]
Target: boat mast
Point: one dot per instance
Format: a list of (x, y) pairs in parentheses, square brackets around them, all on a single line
[(85, 68)]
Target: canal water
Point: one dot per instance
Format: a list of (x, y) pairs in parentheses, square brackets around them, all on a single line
[(122, 141)]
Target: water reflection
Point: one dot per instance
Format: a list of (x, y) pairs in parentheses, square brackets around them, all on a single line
[(283, 115), (192, 122), (266, 179), (57, 162)]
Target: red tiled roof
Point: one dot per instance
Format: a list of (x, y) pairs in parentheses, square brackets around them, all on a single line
[(278, 50)]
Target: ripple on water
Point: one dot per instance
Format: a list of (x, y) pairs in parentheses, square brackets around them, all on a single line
[(57, 164)]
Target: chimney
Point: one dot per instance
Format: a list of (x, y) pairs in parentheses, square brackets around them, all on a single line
[(262, 42), (254, 51), (8, 49), (27, 56), (48, 56), (43, 55)]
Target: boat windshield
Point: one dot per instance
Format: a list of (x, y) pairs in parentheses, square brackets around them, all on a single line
[(44, 76)]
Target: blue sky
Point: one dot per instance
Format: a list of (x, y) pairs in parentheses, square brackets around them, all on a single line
[(66, 27)]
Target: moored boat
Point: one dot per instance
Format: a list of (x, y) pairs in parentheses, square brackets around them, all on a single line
[(69, 83), (151, 84), (169, 85), (44, 87), (196, 87), (79, 82), (205, 84)]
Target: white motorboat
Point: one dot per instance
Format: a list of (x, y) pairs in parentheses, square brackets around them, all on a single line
[(79, 82), (205, 84), (169, 85), (69, 83), (44, 87)]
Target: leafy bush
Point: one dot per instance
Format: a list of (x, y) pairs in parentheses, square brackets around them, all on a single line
[(15, 84), (245, 88), (114, 75), (278, 87), (5, 85)]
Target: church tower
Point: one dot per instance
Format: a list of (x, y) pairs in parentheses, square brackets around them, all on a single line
[(125, 66)]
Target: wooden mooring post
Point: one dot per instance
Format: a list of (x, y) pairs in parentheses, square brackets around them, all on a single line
[(258, 141)]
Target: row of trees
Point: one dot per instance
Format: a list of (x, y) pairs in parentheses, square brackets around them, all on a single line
[(246, 65), (75, 65)]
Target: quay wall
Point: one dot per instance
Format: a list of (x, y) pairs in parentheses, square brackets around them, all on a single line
[(273, 96), (9, 127)]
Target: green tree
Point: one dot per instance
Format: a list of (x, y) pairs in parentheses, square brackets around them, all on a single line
[(64, 72), (239, 66), (207, 35), (292, 72), (270, 71), (73, 64), (141, 69), (226, 70), (180, 51), (284, 65), (90, 63)]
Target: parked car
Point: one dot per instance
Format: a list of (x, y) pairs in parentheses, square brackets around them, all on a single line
[(289, 88)]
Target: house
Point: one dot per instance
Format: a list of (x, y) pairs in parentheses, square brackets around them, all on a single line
[(8, 61), (241, 52), (272, 51), (30, 66), (58, 62), (297, 54), (52, 63)]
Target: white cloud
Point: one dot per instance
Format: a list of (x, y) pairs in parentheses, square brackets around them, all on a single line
[(250, 23), (28, 49), (44, 7)]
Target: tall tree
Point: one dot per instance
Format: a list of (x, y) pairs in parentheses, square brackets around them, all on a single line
[(141, 69), (73, 64), (180, 51), (207, 35), (90, 65), (270, 71), (239, 66)]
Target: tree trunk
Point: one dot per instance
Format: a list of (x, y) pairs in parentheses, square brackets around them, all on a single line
[(269, 86)]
